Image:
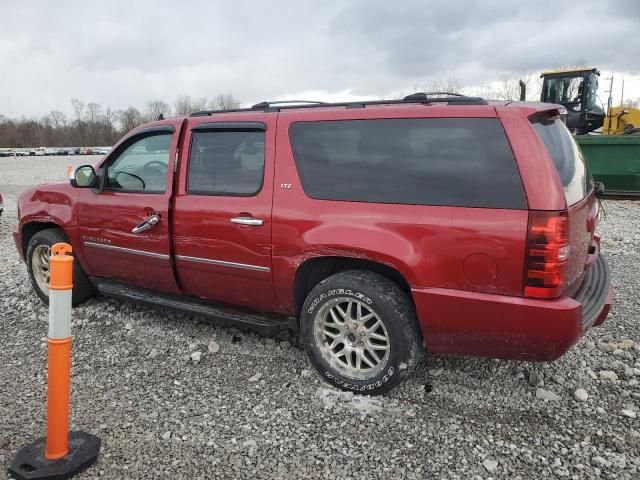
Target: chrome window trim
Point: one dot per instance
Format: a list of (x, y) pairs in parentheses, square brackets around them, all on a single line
[(223, 263), (143, 253)]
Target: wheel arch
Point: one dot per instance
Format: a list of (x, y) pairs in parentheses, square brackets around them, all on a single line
[(30, 228), (313, 270)]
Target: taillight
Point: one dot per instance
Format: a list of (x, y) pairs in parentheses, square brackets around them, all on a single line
[(547, 254)]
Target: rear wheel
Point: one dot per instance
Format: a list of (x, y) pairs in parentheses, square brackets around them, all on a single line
[(360, 332), (37, 259)]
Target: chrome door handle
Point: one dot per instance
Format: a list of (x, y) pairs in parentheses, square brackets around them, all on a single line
[(254, 222), (152, 220)]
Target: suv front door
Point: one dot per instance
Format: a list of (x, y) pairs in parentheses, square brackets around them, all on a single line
[(136, 185), (222, 227)]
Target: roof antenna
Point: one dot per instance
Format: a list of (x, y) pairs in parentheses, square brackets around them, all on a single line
[(160, 117)]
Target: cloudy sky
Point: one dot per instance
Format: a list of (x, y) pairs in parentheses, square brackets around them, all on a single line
[(120, 53)]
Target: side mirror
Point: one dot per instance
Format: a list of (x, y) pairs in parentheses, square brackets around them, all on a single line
[(83, 177)]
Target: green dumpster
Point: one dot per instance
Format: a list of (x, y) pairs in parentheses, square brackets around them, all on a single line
[(614, 160)]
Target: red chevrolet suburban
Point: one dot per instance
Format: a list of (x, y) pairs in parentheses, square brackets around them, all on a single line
[(375, 228)]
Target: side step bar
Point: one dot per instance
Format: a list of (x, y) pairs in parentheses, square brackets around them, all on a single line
[(267, 324)]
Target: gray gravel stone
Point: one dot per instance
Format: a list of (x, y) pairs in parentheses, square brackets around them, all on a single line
[(542, 394), (490, 466), (214, 347), (608, 375), (625, 344), (581, 395), (535, 379), (606, 347)]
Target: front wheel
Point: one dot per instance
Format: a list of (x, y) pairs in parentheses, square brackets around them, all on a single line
[(360, 332), (37, 259)]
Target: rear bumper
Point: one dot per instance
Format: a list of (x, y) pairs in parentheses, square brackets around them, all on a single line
[(481, 324)]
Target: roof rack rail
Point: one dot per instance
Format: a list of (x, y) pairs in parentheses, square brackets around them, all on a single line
[(261, 105), (420, 97), (449, 97)]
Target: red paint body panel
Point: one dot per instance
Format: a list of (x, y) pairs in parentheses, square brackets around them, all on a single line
[(426, 244), (454, 321), (202, 229), (54, 203), (540, 179), (464, 266), (109, 217)]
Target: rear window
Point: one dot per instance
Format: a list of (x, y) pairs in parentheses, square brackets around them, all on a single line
[(567, 158), (435, 161)]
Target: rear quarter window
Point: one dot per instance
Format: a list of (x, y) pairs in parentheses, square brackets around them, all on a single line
[(436, 161), (567, 158)]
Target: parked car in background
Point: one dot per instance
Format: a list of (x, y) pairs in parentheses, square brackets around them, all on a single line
[(32, 151), (51, 151), (379, 228), (5, 152), (41, 151)]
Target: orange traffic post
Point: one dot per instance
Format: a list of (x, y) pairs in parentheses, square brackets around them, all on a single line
[(60, 454)]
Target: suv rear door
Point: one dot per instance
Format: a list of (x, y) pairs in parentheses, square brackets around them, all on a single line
[(222, 210), (137, 186)]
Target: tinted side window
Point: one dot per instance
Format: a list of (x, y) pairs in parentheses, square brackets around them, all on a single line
[(567, 158), (226, 163), (436, 161), (141, 167)]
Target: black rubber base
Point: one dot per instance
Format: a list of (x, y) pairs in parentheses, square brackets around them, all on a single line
[(30, 463)]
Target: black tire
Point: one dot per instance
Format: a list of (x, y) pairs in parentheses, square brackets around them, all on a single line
[(393, 308), (82, 289)]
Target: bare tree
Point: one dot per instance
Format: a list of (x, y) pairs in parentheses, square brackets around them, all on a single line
[(109, 118), (129, 118), (58, 119), (182, 105), (155, 108), (224, 101), (198, 104), (94, 111), (78, 107), (450, 85)]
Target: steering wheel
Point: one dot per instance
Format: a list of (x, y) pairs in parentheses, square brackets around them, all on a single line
[(157, 164)]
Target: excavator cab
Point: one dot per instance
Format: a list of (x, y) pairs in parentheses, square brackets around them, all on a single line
[(576, 90)]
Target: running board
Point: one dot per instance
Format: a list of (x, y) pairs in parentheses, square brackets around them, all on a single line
[(267, 324)]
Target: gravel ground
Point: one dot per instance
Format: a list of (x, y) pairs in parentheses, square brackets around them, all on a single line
[(175, 396)]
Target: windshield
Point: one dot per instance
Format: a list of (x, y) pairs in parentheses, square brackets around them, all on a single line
[(567, 91)]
